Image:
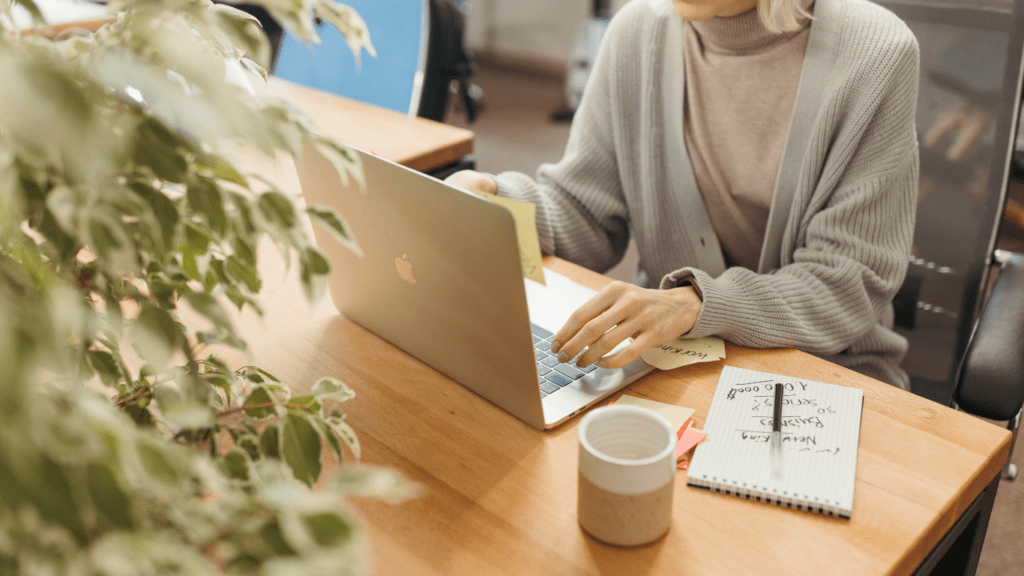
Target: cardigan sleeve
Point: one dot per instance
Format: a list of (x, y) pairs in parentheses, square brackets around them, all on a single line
[(581, 211), (851, 238)]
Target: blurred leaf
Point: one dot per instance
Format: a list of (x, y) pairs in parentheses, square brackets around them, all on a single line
[(235, 464), (277, 209), (156, 463), (108, 496), (240, 271), (333, 389), (33, 10), (155, 335), (221, 168), (350, 24), (328, 528), (300, 445), (159, 149), (250, 372), (331, 221), (306, 401), (347, 434), (251, 446), (271, 535), (111, 241), (313, 270), (140, 415), (163, 208), (245, 32), (327, 433), (210, 308), (205, 199), (61, 203), (344, 160), (260, 396), (189, 407), (373, 481), (270, 442), (105, 366)]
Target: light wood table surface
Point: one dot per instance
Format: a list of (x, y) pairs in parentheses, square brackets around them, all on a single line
[(500, 497)]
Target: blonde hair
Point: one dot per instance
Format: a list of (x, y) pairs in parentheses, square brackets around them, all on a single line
[(782, 15)]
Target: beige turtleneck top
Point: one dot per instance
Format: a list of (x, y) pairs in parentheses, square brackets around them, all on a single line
[(741, 82)]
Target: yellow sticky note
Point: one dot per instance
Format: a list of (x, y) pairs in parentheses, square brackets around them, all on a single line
[(523, 213), (683, 351)]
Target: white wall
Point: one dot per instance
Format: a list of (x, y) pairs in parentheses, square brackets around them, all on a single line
[(540, 30)]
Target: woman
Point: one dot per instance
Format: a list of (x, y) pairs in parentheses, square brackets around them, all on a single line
[(766, 164)]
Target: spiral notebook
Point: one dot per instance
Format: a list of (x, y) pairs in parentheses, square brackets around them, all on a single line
[(820, 434)]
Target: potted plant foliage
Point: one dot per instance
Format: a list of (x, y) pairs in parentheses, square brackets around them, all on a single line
[(126, 446)]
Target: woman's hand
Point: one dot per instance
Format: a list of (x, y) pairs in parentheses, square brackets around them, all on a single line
[(619, 311), (473, 181)]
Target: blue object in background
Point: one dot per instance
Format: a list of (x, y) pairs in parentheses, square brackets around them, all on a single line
[(399, 32)]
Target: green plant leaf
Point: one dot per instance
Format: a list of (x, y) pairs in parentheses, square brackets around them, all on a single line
[(327, 433), (108, 496), (259, 397), (205, 199), (329, 529), (156, 463), (306, 401), (155, 335), (221, 168), (300, 445), (348, 435), (235, 464), (270, 442), (333, 389), (313, 270), (277, 209), (331, 221), (159, 149), (211, 309), (241, 271), (163, 209), (373, 481), (103, 363)]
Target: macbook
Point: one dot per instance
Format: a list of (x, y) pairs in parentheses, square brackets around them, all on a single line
[(439, 276)]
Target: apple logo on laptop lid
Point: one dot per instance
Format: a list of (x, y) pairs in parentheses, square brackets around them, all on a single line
[(405, 270)]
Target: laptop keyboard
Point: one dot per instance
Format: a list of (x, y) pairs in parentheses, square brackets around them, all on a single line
[(553, 375)]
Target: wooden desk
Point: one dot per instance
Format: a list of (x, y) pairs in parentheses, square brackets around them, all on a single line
[(418, 143), (500, 497)]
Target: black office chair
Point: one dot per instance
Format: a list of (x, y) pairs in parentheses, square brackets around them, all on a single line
[(962, 306)]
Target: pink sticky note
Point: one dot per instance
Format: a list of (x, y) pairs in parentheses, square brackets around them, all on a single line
[(690, 438)]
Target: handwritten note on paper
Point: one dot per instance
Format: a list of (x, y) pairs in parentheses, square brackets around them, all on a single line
[(820, 434), (524, 216), (683, 351)]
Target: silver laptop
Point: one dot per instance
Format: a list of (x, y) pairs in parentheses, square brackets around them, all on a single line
[(440, 277)]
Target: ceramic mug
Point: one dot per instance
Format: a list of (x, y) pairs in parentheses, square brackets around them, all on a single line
[(626, 470)]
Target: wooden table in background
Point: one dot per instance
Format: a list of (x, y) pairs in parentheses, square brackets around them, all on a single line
[(417, 143), (500, 497)]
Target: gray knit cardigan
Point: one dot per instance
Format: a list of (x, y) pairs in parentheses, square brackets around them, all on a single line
[(841, 220)]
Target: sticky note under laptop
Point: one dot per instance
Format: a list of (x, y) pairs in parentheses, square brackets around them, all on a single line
[(678, 416), (523, 213)]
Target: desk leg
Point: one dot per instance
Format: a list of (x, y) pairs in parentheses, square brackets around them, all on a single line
[(959, 550)]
